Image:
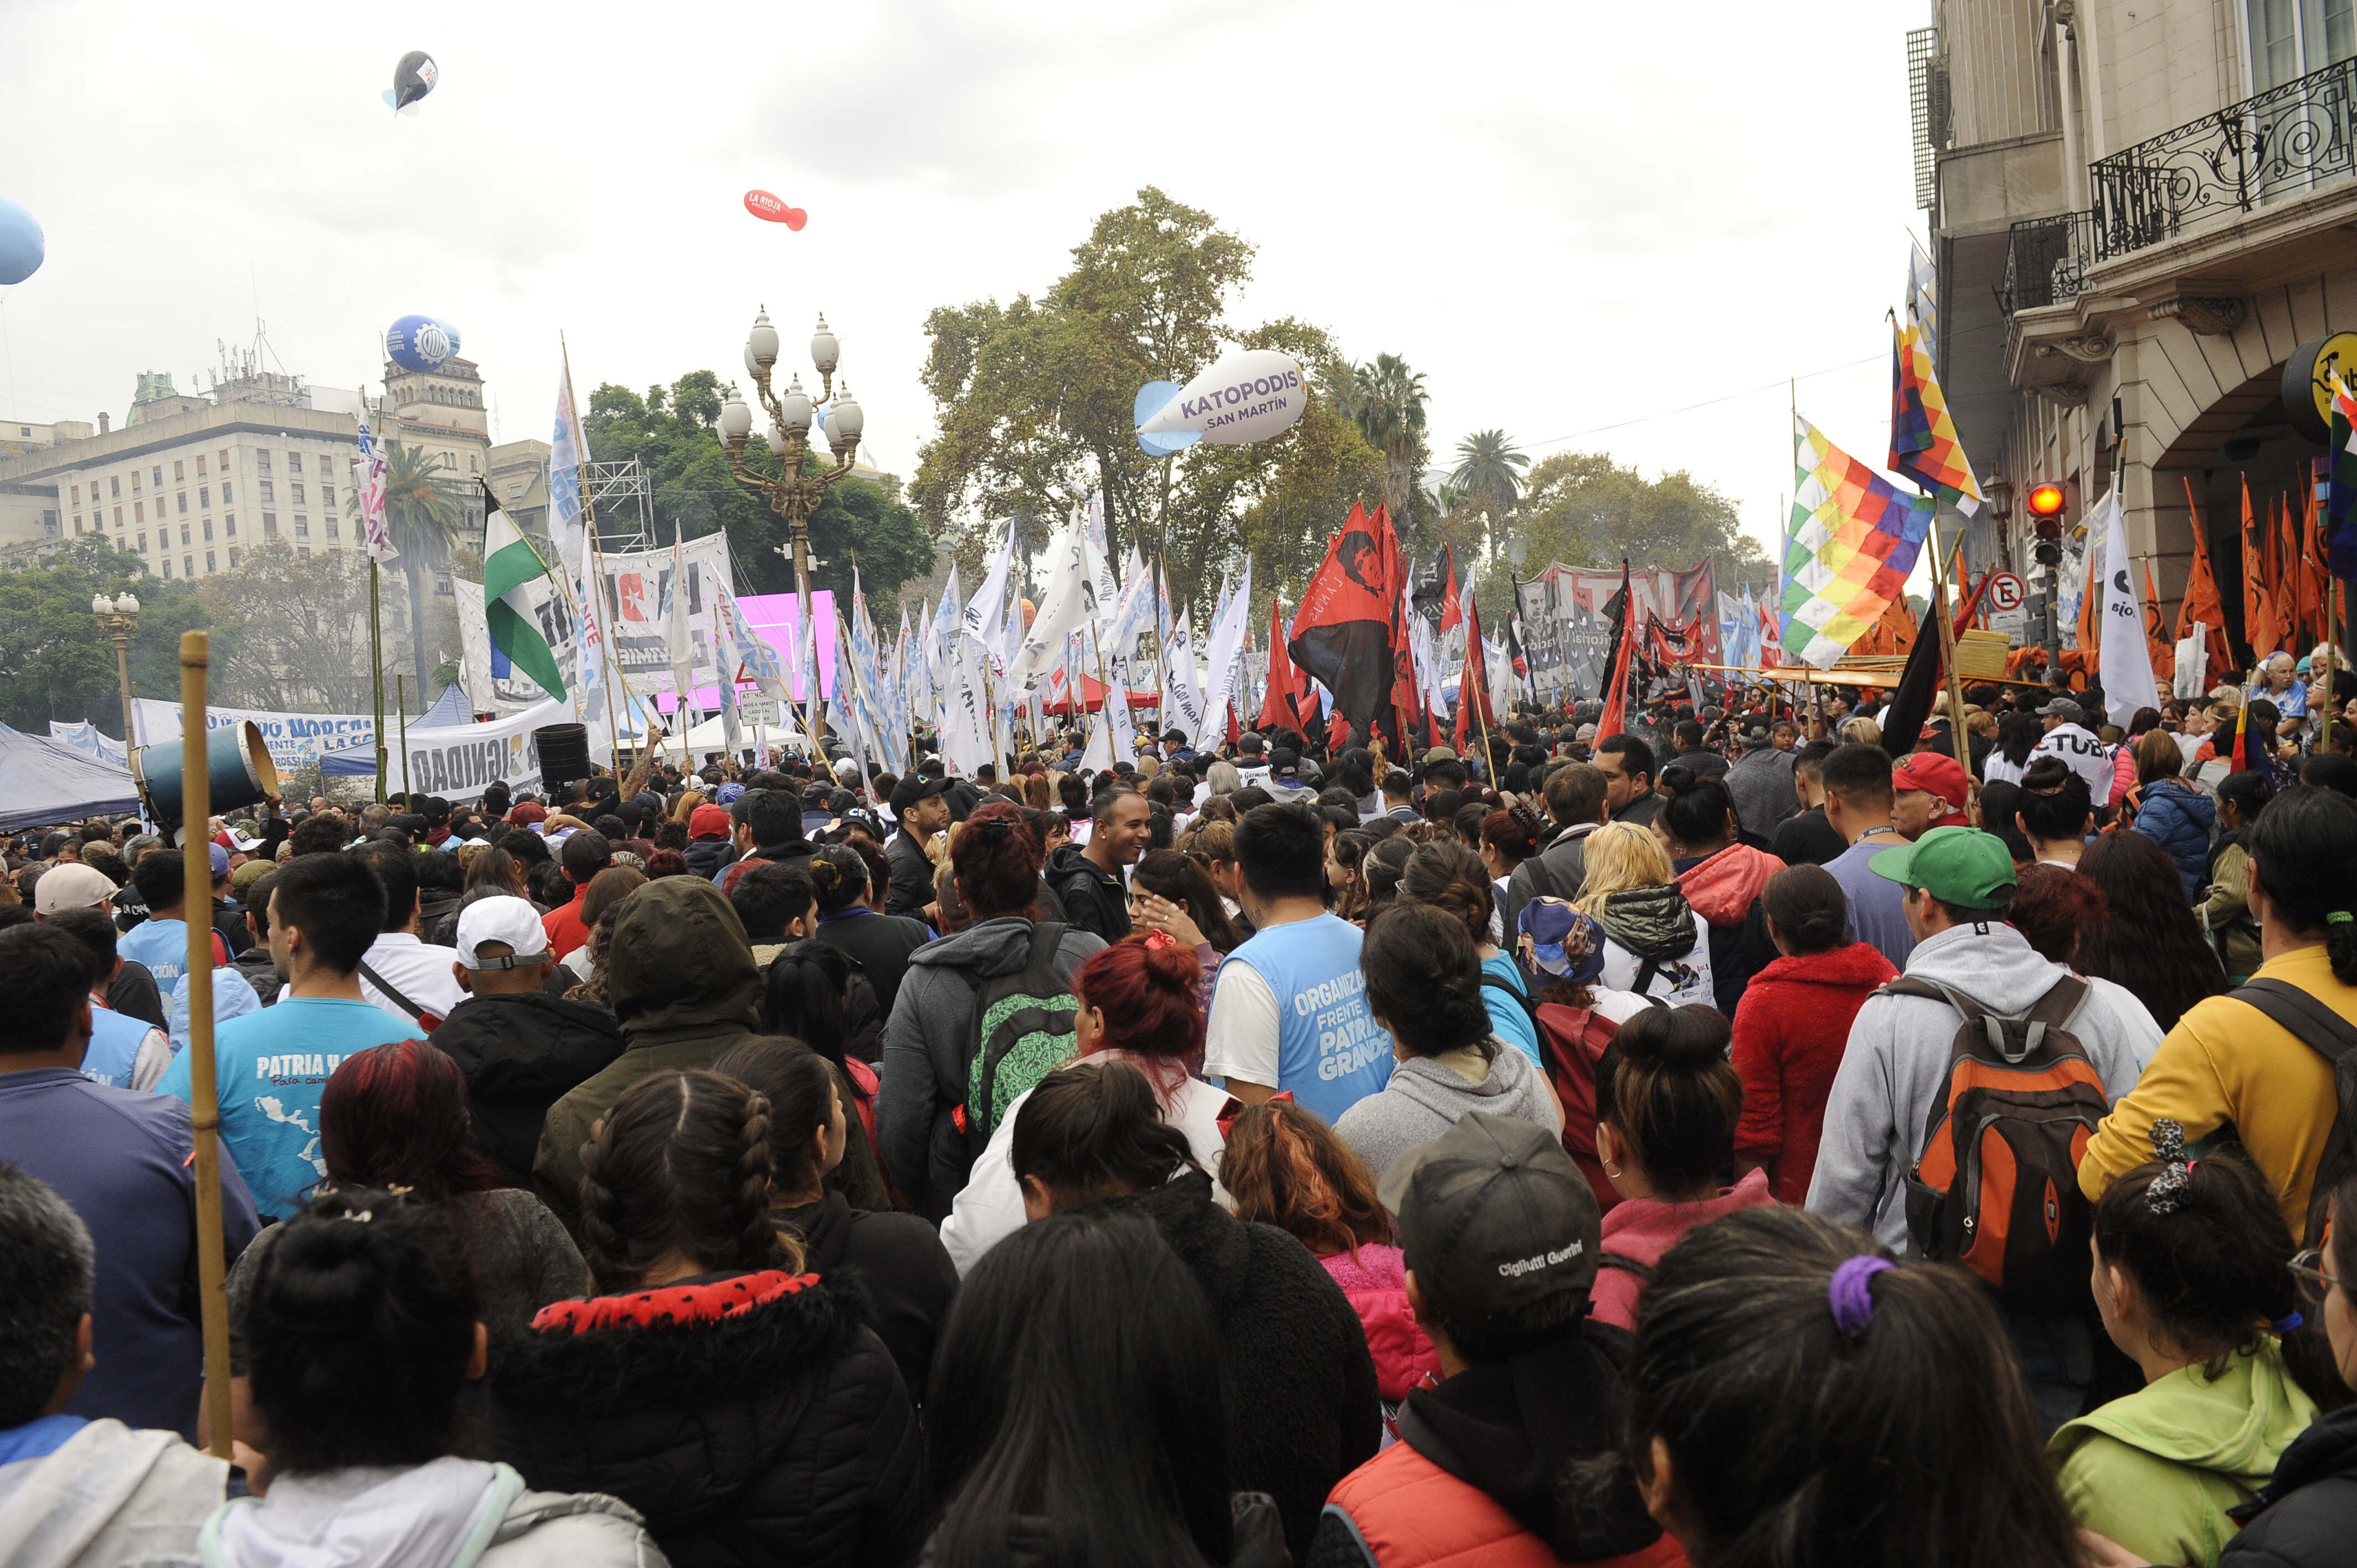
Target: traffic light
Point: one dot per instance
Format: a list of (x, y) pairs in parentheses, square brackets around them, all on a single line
[(2045, 505)]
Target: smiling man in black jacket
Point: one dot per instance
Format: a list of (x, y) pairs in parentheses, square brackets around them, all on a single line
[(522, 1049)]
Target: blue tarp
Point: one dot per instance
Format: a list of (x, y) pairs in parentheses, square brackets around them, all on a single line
[(42, 782)]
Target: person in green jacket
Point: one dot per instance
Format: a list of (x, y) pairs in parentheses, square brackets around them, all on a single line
[(2190, 1277)]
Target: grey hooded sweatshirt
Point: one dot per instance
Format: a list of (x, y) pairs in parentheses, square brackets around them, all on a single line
[(1896, 1066), (929, 1046), (110, 1494), (1425, 1097)]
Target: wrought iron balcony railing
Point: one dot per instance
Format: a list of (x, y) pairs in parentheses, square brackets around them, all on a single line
[(2282, 143), (2045, 261)]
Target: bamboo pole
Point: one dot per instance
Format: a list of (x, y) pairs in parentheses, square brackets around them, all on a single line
[(376, 680), (1947, 634), (204, 1089), (401, 710)]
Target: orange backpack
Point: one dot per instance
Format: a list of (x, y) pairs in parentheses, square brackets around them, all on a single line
[(1997, 1189)]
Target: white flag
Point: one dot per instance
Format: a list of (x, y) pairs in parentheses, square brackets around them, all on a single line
[(1069, 605), (678, 633), (965, 724), (981, 614), (1123, 732), (1227, 642), (1182, 703), (2129, 680), (1100, 557)]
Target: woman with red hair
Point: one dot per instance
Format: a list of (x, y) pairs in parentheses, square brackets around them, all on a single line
[(1141, 1002)]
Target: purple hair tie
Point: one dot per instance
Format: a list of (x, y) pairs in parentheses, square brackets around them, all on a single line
[(1851, 1294)]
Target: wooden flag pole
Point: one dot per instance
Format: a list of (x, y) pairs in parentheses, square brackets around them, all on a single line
[(204, 1089), (401, 711), (1955, 681)]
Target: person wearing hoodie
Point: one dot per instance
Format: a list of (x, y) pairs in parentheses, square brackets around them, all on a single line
[(1284, 1167), (1513, 1458), (1302, 1409), (1574, 795), (683, 983), (2190, 1278), (363, 1327), (1449, 877), (2307, 1513), (768, 831), (1793, 1022), (1666, 1106), (737, 1400), (2168, 810), (76, 1493), (1721, 877), (2224, 907), (1957, 883), (521, 1049), (929, 1042), (1424, 986), (259, 969), (709, 851), (1073, 1422), (1655, 945), (1088, 880)]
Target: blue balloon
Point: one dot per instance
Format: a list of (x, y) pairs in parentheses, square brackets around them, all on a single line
[(21, 246), (421, 343)]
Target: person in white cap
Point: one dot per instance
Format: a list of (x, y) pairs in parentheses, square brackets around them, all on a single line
[(521, 1048)]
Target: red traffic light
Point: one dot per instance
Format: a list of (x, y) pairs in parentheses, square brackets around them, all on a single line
[(2045, 501)]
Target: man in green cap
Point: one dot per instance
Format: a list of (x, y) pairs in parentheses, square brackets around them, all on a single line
[(1958, 883)]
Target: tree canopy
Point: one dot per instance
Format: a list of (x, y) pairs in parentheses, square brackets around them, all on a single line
[(55, 662), (1585, 509), (673, 432)]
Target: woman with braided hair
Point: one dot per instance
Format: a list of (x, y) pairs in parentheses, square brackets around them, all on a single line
[(737, 1400)]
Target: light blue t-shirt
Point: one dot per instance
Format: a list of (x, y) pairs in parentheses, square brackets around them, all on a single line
[(269, 1067), (233, 997), (162, 946), (1877, 906), (1330, 1053), (1509, 1020)]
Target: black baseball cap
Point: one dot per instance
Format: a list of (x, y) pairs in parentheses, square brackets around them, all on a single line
[(1494, 1218), (916, 786)]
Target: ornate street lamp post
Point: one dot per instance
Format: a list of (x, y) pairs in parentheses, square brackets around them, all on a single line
[(791, 493), (118, 619)]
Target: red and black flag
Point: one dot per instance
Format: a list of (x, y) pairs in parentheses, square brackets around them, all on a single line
[(1349, 632), (1289, 702), (1614, 717), (1473, 707)]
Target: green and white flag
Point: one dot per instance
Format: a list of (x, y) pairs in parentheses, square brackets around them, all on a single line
[(510, 563)]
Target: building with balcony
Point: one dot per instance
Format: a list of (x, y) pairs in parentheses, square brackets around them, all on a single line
[(2140, 209)]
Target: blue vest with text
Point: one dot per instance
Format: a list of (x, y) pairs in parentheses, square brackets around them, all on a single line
[(1328, 1051), (113, 1047)]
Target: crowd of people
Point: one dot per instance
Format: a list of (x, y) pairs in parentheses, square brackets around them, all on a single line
[(1723, 1141)]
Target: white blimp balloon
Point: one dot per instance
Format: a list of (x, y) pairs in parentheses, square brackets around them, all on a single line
[(1251, 395)]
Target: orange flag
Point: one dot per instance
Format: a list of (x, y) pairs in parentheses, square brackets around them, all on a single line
[(2091, 611), (2156, 632), (1894, 634), (2202, 602), (2306, 566), (2262, 622)]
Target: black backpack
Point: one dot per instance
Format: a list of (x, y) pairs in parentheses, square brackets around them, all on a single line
[(1996, 1187), (1022, 1031), (2330, 1035)]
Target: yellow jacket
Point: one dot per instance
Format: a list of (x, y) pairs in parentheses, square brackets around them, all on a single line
[(2226, 1064)]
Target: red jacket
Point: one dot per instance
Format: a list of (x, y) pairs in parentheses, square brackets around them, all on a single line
[(1374, 1282), (1641, 1228), (566, 932), (1408, 1512), (1790, 1031)]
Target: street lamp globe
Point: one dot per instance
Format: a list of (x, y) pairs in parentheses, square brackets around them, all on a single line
[(844, 420), (100, 605), (128, 604), (825, 352), (736, 419), (795, 409), (774, 438), (761, 343)]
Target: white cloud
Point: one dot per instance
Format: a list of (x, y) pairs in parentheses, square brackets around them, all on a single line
[(1565, 216)]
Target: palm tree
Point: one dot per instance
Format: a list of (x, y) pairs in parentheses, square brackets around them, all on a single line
[(1489, 469), (1386, 399), (424, 509)]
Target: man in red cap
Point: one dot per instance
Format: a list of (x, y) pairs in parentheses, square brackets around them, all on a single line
[(1928, 790)]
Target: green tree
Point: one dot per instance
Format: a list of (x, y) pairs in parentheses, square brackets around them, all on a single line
[(303, 641), (55, 662), (1387, 400), (424, 515), (1584, 510), (1487, 481), (673, 432)]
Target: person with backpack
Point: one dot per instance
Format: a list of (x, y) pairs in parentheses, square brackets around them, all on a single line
[(1513, 1456), (2190, 1279), (1924, 1092), (1792, 1024), (2224, 908), (848, 891), (1423, 988), (1797, 1398), (1575, 801), (2263, 1057), (813, 992), (1666, 1107), (1656, 946), (1450, 879), (1003, 985), (1721, 877)]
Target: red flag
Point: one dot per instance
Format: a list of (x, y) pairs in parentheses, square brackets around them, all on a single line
[(1347, 632), (1288, 688), (1452, 611), (2202, 602), (1472, 679), (1614, 717), (2163, 651)]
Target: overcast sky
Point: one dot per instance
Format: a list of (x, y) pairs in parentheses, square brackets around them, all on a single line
[(1573, 219)]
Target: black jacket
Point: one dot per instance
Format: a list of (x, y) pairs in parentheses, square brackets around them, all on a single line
[(1303, 1410), (229, 919), (261, 972), (779, 1434), (1258, 1542), (1528, 1433), (2305, 1517), (909, 1276), (1806, 839), (707, 858), (913, 876), (1094, 900), (881, 944), (521, 1053)]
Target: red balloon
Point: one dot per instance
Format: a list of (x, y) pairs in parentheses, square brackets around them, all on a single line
[(771, 209), (796, 217)]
